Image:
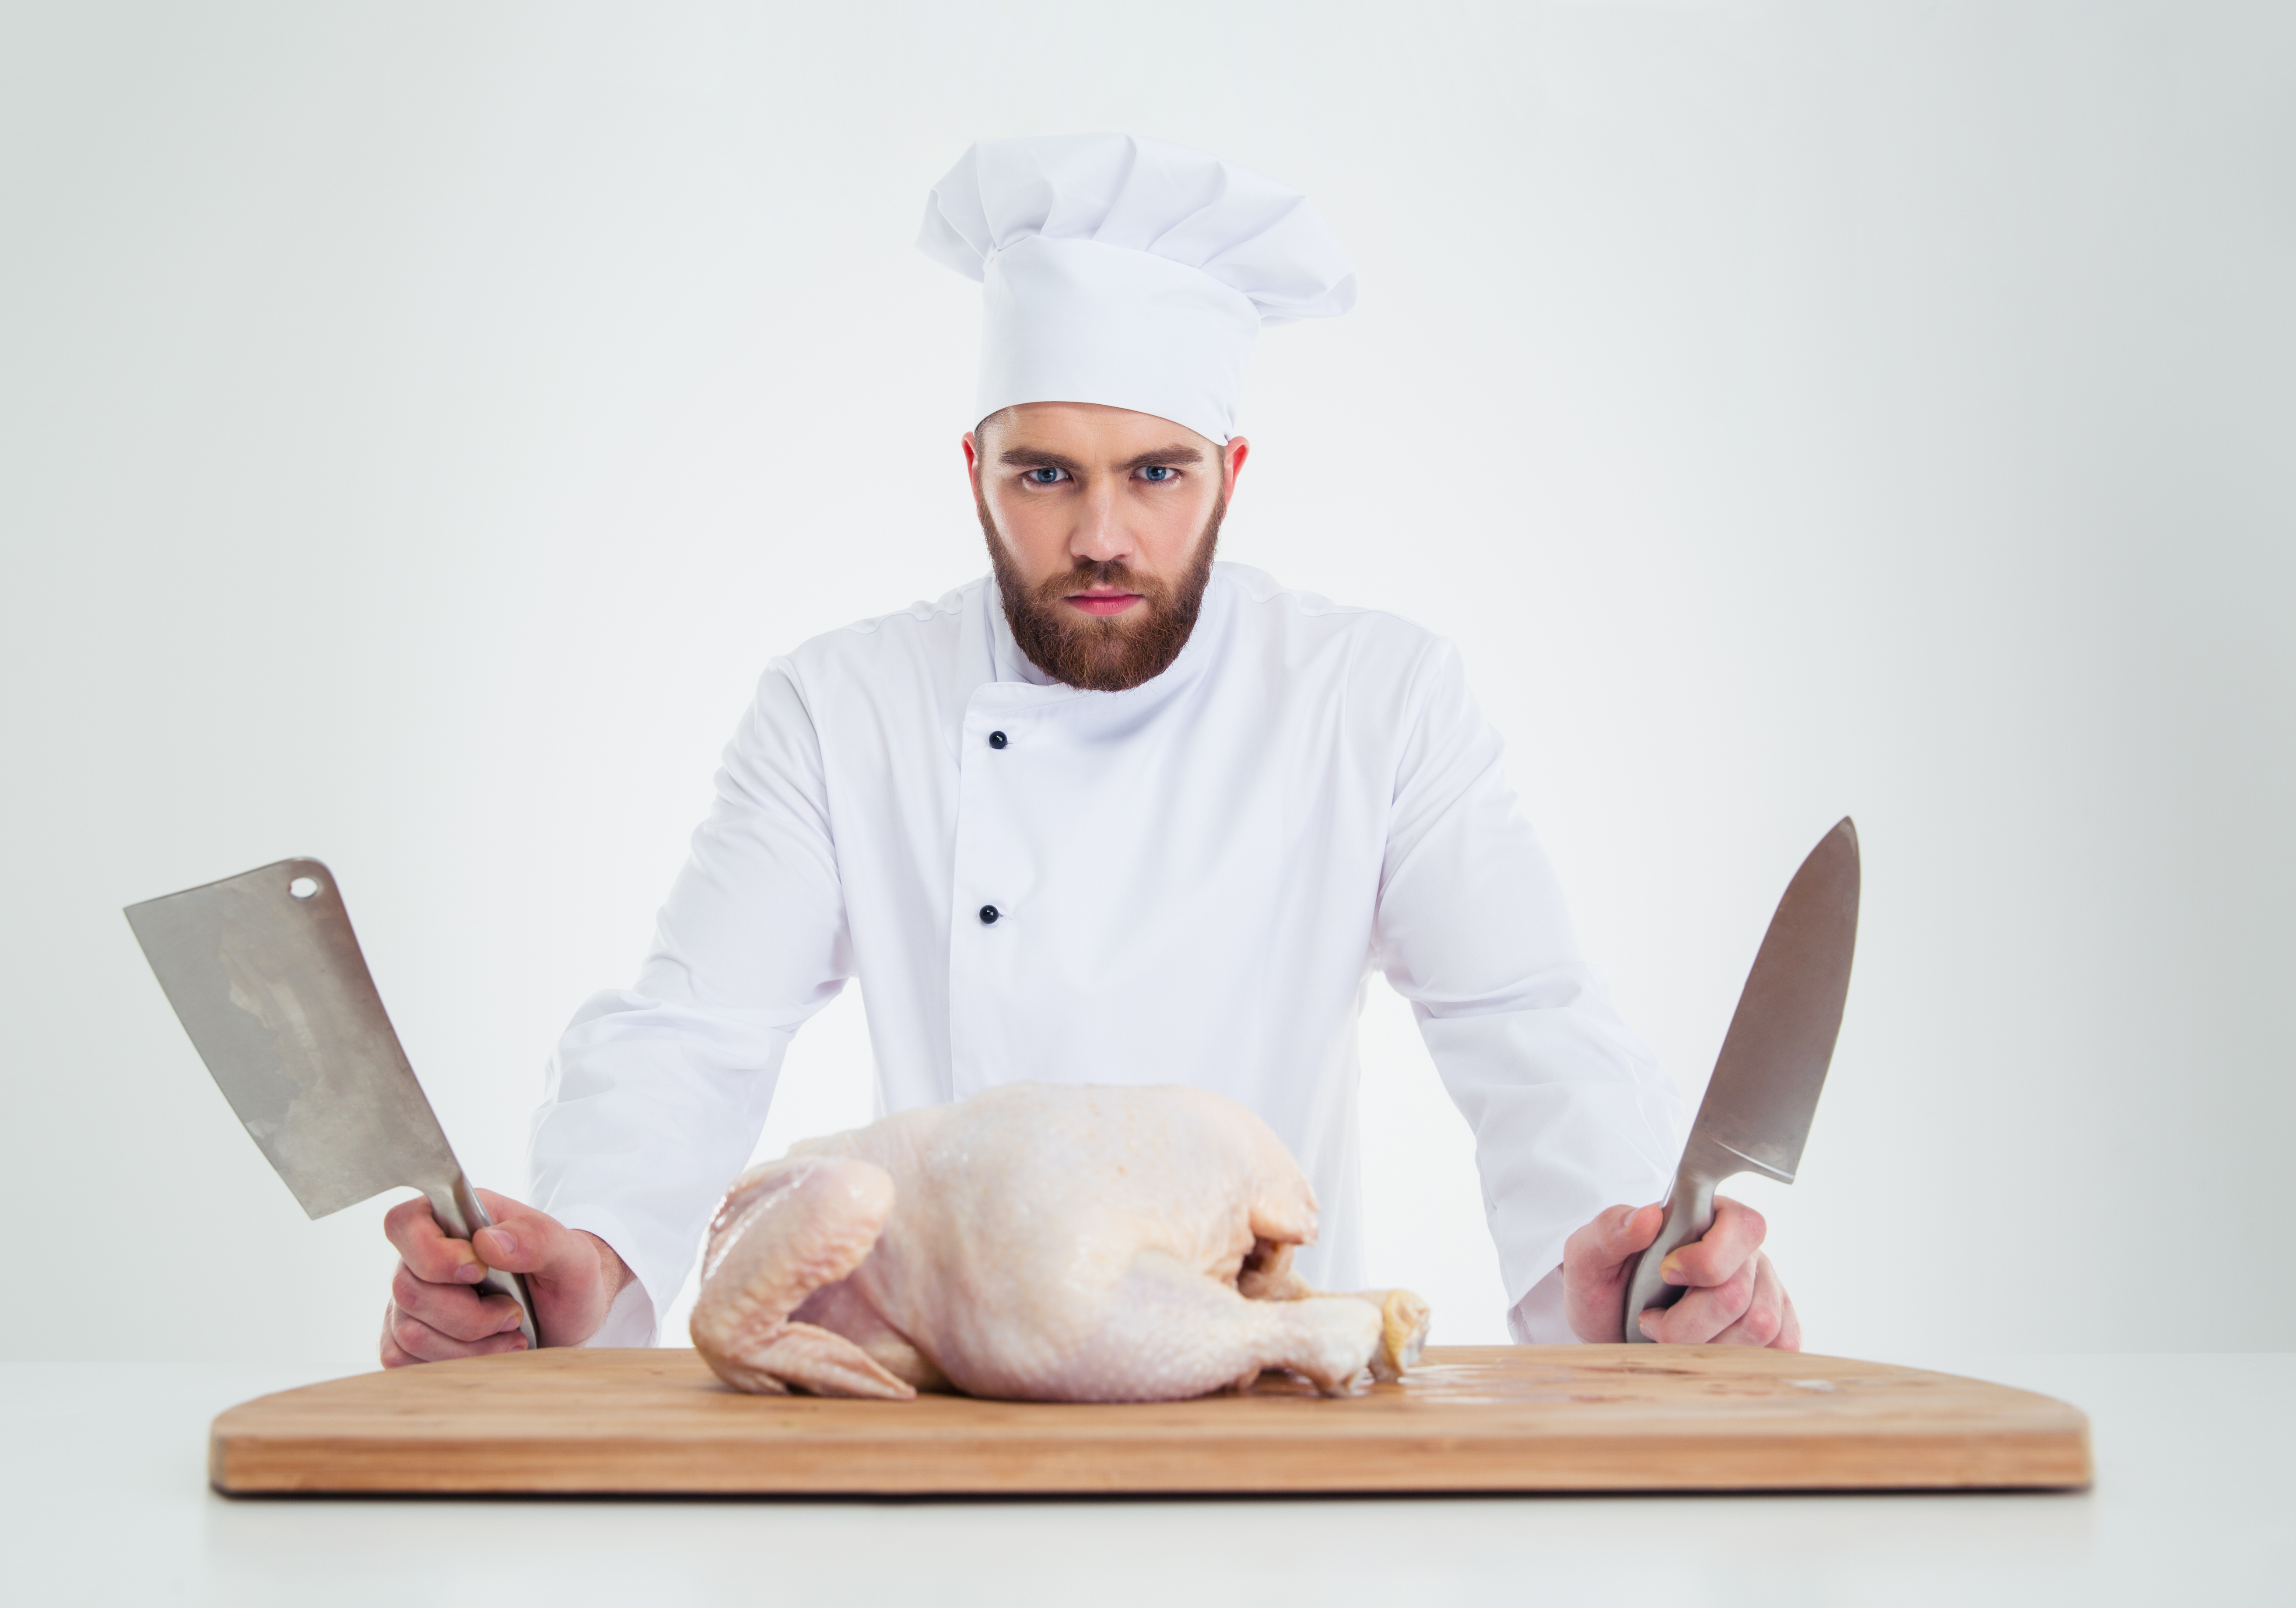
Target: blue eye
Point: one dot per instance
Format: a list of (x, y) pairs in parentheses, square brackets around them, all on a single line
[(1042, 477), (1158, 472)]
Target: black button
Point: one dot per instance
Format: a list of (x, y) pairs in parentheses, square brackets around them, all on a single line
[(988, 915), (996, 739)]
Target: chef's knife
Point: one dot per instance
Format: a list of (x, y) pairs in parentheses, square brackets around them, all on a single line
[(1772, 1068), (266, 977)]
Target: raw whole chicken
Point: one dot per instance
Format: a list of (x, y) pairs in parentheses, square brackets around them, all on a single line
[(1036, 1243)]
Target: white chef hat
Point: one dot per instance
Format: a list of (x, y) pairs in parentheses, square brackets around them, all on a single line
[(1128, 271)]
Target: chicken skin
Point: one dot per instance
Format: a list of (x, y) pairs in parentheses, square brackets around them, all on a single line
[(1036, 1243)]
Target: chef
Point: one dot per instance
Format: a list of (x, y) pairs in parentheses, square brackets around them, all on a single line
[(1116, 812)]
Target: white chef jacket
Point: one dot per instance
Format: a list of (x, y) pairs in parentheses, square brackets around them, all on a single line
[(1188, 881)]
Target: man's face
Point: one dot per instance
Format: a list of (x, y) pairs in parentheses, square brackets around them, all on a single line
[(1102, 525)]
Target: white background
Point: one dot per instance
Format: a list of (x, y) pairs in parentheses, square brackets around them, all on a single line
[(420, 422)]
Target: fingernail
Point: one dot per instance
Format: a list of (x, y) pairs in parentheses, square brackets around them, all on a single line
[(470, 1273), (1671, 1271), (1644, 1323), (504, 1244)]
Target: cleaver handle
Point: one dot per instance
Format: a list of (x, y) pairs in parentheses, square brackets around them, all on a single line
[(456, 1207), (1689, 1214)]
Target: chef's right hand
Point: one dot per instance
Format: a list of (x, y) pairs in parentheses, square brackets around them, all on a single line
[(573, 1278)]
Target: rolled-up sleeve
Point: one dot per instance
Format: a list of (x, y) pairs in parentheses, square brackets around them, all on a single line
[(1571, 1112), (656, 1095)]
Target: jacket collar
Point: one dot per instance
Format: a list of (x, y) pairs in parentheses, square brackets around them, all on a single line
[(990, 664)]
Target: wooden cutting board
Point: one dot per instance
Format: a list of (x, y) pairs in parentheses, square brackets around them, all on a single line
[(1470, 1418)]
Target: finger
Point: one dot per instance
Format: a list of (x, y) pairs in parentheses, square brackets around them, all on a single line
[(1729, 1244), (526, 1241), (423, 1343), (1789, 1337), (1765, 1318), (453, 1310), (394, 1355), (1702, 1314), (423, 1246)]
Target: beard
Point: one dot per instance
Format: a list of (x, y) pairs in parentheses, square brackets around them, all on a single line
[(1110, 654)]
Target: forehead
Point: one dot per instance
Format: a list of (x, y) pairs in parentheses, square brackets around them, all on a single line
[(1086, 430)]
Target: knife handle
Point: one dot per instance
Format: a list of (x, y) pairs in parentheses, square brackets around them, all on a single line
[(456, 1207), (1689, 1214)]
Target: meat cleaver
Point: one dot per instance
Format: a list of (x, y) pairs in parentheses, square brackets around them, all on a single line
[(265, 975), (1772, 1068)]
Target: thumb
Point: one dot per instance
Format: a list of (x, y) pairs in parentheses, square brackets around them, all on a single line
[(523, 1240), (1629, 1230)]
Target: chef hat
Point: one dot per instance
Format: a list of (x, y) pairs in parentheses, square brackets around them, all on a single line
[(1128, 272)]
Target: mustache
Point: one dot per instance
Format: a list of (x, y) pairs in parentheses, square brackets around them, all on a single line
[(1089, 573)]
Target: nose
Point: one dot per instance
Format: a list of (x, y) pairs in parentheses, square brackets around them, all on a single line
[(1100, 537)]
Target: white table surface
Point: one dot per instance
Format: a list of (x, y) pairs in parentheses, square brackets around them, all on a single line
[(106, 1501)]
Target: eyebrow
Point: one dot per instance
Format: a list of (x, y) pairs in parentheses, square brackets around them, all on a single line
[(1176, 453), (1033, 457)]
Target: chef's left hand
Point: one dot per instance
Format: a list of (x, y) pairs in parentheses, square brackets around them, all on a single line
[(1733, 1296)]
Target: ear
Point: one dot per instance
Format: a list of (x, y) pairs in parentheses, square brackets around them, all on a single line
[(1231, 458), (971, 461)]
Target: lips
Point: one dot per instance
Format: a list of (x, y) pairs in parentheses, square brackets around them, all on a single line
[(1102, 604)]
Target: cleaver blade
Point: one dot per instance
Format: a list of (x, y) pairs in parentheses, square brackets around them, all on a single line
[(266, 977), (1757, 1111)]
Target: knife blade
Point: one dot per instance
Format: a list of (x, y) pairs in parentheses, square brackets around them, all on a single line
[(1756, 1115), (267, 978)]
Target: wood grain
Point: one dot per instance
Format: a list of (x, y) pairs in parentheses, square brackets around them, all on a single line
[(1539, 1418)]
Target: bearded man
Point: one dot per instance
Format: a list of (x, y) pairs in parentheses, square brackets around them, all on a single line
[(1116, 814)]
